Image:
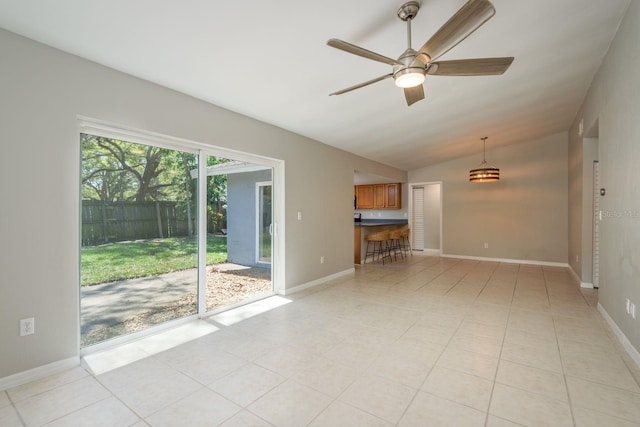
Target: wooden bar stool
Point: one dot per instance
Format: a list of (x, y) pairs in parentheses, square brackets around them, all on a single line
[(380, 247), (405, 242), (395, 244)]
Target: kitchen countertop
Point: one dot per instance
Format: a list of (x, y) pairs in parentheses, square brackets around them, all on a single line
[(379, 222)]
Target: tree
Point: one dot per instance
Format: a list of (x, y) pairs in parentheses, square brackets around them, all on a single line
[(122, 171), (216, 196)]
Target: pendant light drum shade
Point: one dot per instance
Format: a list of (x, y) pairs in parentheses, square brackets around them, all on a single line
[(484, 173)]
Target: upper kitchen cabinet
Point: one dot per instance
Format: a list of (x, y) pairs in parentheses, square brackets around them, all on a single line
[(392, 196), (364, 196), (378, 196)]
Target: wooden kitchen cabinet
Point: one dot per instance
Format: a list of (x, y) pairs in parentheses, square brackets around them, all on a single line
[(392, 196), (357, 244), (378, 196), (364, 196)]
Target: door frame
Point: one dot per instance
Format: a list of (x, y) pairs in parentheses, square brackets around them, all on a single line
[(277, 207), (259, 185), (278, 265)]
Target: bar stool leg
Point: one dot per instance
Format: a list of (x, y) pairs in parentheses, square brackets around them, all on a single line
[(392, 247), (367, 252)]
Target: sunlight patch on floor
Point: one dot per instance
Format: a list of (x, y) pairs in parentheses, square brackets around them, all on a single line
[(107, 360), (247, 311)]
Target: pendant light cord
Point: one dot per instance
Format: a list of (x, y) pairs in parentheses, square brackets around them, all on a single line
[(484, 149)]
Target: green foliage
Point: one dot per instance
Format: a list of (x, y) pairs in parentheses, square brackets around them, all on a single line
[(128, 260), (115, 170), (216, 197)]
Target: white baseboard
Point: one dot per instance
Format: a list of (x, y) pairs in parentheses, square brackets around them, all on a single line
[(575, 275), (578, 280), (631, 350), (508, 260), (316, 282), (39, 372), (430, 251)]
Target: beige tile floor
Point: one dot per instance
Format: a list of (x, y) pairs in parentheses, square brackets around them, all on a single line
[(427, 341)]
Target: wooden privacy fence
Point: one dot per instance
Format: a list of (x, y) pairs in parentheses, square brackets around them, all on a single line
[(119, 221)]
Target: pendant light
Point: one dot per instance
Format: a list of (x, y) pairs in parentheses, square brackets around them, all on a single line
[(484, 173)]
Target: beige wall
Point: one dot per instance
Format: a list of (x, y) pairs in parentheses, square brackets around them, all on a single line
[(613, 105), (432, 216), (522, 217), (43, 92)]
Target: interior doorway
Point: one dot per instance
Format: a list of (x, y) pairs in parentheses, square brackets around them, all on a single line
[(425, 216), (595, 241), (590, 259)]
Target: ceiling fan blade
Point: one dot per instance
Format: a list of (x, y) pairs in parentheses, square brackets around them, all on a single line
[(357, 50), (470, 67), (358, 86), (465, 21), (414, 94)]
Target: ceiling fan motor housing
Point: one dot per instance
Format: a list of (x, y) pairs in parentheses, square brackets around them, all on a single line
[(412, 73)]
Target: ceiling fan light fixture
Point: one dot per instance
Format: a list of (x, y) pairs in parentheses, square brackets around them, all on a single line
[(411, 68), (484, 173), (409, 77)]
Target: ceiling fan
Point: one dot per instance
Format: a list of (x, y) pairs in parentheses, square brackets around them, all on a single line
[(412, 67)]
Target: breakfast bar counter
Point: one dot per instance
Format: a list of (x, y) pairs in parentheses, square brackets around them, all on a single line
[(367, 226)]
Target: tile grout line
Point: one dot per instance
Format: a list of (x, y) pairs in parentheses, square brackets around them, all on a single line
[(419, 390), (15, 409), (115, 396), (564, 375), (504, 335)]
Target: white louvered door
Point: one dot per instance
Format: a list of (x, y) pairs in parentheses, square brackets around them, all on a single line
[(418, 218), (596, 227)]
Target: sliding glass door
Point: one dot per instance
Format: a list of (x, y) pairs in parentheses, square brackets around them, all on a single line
[(139, 251), (265, 222), (244, 275), (168, 234)]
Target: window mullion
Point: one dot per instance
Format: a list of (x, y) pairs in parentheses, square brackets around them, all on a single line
[(202, 232)]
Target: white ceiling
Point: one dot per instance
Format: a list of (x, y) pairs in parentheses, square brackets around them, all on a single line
[(269, 60)]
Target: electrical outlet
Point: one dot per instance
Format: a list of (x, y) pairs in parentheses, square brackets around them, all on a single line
[(632, 310), (299, 216), (27, 326), (486, 245), (321, 260), (577, 258)]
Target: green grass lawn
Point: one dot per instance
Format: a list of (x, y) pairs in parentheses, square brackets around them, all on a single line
[(127, 260)]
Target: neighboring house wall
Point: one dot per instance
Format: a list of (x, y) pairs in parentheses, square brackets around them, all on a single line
[(522, 217), (241, 216), (43, 92), (613, 106)]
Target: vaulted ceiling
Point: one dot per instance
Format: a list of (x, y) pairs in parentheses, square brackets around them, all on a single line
[(269, 60)]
